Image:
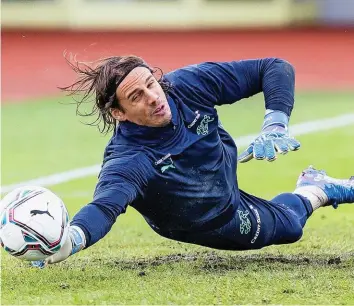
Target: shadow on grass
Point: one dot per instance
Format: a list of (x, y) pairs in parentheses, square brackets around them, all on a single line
[(214, 261)]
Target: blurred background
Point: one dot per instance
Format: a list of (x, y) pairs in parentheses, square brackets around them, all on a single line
[(314, 34), (44, 143)]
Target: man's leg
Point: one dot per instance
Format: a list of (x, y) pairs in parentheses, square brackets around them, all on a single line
[(279, 221), (323, 190), (290, 211), (315, 189), (258, 223), (300, 205)]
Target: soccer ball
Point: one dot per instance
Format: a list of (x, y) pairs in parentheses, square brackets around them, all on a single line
[(34, 223)]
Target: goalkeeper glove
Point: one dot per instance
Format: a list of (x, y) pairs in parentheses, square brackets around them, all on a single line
[(75, 242), (274, 137)]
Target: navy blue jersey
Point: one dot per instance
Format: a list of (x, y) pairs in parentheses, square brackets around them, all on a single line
[(183, 176)]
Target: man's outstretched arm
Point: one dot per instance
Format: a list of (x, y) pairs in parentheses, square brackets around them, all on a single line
[(278, 82), (119, 184), (88, 226), (218, 83), (228, 82)]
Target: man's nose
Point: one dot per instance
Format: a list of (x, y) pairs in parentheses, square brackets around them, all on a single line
[(152, 97)]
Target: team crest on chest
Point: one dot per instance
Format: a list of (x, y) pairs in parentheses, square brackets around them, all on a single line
[(203, 127)]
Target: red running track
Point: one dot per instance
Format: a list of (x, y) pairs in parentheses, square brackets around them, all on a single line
[(33, 64)]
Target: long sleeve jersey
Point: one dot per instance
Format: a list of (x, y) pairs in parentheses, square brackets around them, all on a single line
[(183, 176)]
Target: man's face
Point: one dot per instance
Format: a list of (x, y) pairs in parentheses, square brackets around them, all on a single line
[(143, 100)]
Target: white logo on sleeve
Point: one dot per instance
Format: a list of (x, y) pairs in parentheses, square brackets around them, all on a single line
[(197, 115)]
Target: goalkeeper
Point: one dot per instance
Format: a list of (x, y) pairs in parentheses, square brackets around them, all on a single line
[(170, 158)]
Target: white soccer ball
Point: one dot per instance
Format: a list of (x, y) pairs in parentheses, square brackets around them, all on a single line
[(34, 223)]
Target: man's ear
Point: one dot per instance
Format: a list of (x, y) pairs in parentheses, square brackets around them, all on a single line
[(118, 114)]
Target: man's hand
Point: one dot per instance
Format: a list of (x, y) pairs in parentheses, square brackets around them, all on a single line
[(273, 138), (74, 242)]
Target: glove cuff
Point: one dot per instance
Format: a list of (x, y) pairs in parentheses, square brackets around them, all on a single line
[(275, 118), (77, 238)]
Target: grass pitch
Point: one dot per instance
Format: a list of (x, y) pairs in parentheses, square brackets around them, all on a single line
[(133, 265)]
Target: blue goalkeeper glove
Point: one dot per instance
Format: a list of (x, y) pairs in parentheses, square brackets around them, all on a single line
[(273, 138), (75, 242)]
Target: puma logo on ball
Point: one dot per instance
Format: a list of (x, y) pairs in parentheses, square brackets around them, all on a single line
[(41, 212)]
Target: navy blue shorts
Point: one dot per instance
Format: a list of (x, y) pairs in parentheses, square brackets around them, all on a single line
[(256, 223)]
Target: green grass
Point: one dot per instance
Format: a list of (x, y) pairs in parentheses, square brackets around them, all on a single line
[(133, 265), (45, 137)]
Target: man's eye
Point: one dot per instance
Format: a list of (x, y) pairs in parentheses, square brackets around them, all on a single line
[(150, 84), (135, 97)]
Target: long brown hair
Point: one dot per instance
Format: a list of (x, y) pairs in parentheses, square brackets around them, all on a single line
[(97, 82)]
